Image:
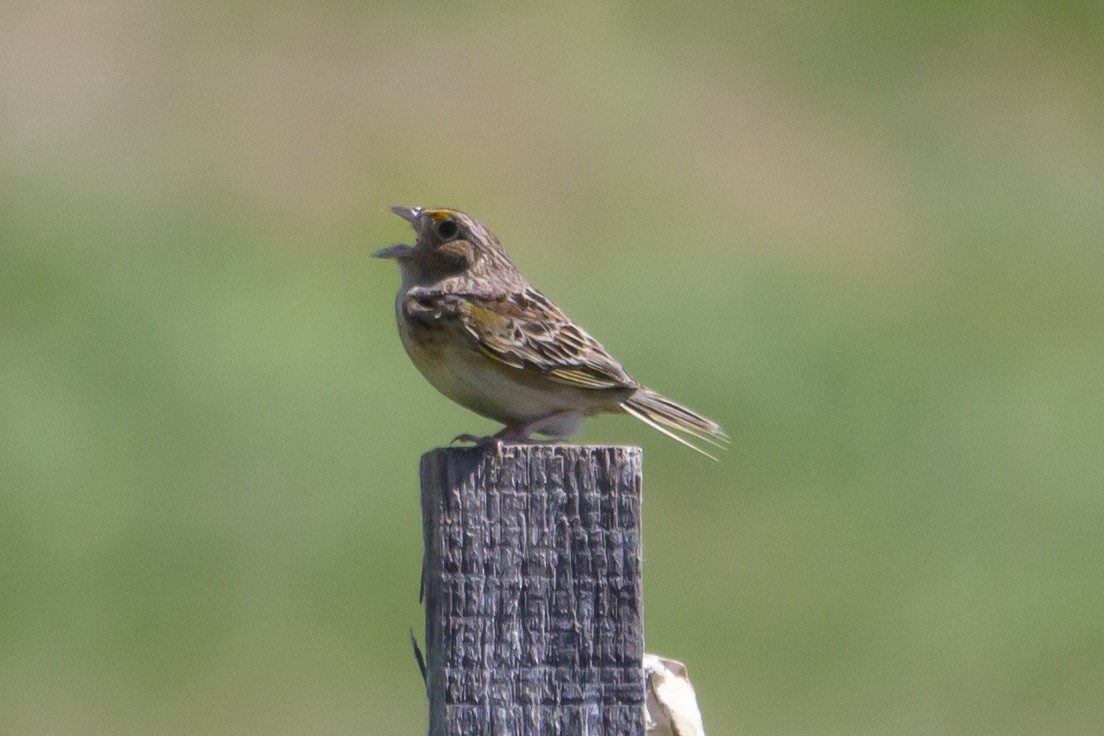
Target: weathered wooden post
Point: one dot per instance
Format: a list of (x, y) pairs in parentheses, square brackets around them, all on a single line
[(534, 616)]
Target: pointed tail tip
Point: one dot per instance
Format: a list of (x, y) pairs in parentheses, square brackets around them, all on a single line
[(660, 428), (669, 417)]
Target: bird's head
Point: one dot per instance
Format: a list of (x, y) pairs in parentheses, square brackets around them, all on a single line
[(449, 243)]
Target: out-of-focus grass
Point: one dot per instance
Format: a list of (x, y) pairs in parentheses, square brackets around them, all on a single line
[(868, 242)]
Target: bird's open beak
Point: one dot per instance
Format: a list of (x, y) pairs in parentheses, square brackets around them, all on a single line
[(410, 214), (394, 251)]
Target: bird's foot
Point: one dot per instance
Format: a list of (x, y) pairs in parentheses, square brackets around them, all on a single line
[(494, 441), (508, 435), (519, 434)]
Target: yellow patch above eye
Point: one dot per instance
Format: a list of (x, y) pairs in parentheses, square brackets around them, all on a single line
[(438, 214)]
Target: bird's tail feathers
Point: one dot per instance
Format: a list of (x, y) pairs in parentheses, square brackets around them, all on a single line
[(664, 415)]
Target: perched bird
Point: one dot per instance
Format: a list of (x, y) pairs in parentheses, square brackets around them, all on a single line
[(485, 338), (671, 708)]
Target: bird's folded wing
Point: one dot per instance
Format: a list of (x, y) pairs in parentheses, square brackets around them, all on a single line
[(527, 331)]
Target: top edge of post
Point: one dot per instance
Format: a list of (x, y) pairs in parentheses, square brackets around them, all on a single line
[(530, 448)]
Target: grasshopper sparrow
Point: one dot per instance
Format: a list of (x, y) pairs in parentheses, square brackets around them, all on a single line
[(485, 338)]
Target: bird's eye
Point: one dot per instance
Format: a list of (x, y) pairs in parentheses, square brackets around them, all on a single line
[(447, 229)]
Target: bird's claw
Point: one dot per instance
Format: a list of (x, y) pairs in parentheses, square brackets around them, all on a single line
[(478, 441)]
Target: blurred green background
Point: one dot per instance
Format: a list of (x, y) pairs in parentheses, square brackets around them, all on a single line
[(869, 240)]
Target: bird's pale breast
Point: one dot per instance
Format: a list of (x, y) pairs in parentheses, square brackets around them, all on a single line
[(456, 367)]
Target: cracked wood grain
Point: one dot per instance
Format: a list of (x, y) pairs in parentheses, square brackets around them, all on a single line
[(534, 615)]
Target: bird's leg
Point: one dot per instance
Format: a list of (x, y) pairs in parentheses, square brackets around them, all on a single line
[(478, 441), (509, 433), (514, 433), (521, 432)]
